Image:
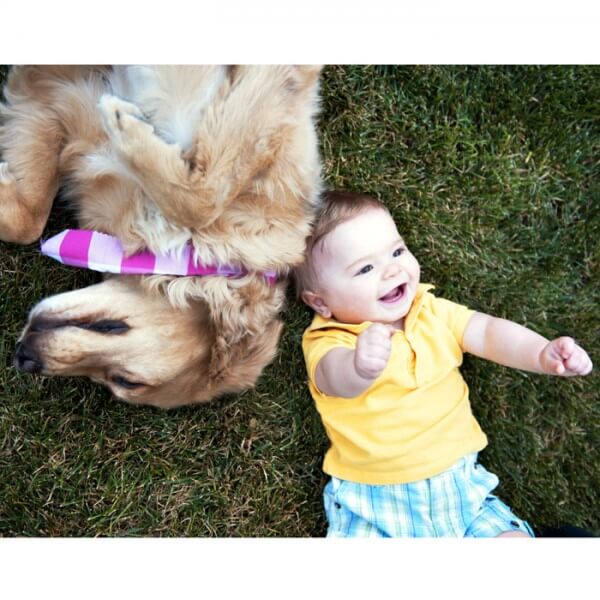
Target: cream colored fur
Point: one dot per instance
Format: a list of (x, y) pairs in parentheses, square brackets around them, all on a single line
[(223, 157)]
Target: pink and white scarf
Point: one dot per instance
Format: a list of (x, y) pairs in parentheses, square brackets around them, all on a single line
[(104, 253)]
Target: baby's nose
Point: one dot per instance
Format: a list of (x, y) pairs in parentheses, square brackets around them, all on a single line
[(392, 270)]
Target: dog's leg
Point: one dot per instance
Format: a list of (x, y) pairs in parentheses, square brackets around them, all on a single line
[(28, 185), (30, 141), (162, 171), (24, 205)]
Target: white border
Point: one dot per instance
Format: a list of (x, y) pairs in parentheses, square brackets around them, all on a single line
[(306, 31), (298, 568)]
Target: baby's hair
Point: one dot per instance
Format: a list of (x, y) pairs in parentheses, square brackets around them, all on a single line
[(338, 206)]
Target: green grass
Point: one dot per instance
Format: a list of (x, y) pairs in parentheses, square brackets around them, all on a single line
[(493, 176)]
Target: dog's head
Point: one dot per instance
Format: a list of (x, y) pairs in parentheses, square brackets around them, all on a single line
[(137, 344)]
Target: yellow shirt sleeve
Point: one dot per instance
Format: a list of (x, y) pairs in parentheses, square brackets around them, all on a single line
[(456, 316), (316, 343)]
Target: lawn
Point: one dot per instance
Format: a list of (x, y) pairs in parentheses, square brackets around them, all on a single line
[(493, 176)]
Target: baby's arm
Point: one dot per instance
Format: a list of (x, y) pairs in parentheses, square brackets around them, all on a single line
[(513, 345), (347, 373)]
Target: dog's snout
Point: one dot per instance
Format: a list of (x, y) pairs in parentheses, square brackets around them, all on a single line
[(26, 359)]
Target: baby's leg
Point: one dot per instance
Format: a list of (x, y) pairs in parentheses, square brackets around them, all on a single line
[(513, 534)]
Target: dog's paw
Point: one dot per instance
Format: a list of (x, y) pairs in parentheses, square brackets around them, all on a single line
[(122, 120), (114, 106)]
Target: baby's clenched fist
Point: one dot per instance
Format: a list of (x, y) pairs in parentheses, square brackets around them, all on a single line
[(373, 348), (563, 356)]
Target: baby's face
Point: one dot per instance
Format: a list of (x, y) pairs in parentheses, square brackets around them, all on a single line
[(365, 271)]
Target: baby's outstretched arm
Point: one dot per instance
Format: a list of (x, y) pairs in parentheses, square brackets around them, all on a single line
[(513, 345), (346, 373)]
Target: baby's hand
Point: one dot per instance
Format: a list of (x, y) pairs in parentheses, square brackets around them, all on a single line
[(563, 356), (373, 348)]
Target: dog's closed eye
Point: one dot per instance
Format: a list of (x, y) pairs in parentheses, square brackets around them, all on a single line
[(108, 326), (125, 383)]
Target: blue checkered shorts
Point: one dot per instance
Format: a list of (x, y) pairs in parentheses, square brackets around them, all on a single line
[(455, 503)]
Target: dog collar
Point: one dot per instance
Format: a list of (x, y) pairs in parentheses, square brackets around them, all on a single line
[(101, 252)]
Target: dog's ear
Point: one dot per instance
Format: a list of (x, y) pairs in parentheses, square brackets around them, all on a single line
[(237, 314), (235, 367), (242, 311)]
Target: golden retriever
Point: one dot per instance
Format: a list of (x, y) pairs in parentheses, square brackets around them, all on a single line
[(224, 158)]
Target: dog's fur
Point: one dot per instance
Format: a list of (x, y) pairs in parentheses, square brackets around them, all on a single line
[(224, 157)]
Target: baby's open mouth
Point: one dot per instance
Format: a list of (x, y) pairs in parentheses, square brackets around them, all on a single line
[(396, 294)]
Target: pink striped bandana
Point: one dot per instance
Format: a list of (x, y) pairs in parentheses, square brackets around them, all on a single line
[(104, 253)]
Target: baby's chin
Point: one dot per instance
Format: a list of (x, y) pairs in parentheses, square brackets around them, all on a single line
[(396, 320), (395, 306)]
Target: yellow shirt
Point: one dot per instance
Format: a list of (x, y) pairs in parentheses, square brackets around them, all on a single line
[(415, 420)]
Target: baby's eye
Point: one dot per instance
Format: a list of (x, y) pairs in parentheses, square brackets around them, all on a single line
[(365, 269), (398, 251)]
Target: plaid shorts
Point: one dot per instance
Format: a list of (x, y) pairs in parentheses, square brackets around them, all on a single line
[(455, 503)]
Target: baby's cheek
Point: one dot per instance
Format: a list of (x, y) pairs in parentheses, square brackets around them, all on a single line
[(351, 309), (356, 302)]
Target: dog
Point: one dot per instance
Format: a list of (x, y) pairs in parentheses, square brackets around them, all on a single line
[(224, 158)]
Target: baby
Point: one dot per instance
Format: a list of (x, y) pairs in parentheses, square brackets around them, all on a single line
[(382, 355)]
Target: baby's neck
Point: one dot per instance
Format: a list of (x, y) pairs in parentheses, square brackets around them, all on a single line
[(399, 324)]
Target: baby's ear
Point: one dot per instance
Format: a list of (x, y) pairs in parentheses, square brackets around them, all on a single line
[(316, 303)]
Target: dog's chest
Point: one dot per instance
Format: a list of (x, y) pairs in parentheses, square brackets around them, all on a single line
[(173, 100)]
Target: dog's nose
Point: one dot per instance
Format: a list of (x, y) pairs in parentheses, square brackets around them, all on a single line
[(26, 359)]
